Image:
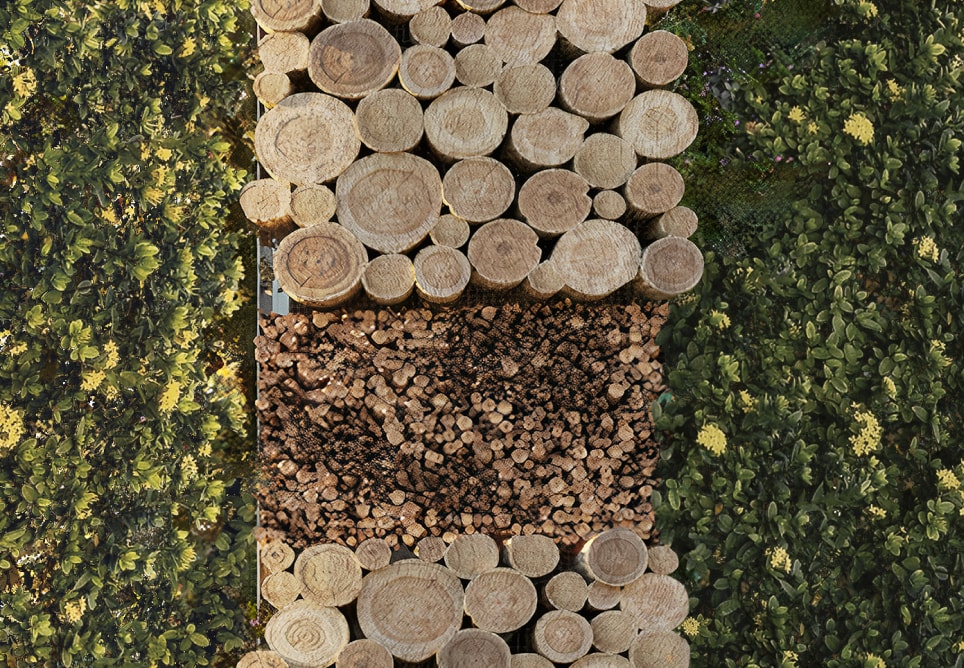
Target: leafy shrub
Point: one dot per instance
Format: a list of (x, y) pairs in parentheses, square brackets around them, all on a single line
[(815, 468), (120, 533)]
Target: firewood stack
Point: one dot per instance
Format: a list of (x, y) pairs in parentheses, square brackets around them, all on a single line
[(518, 419), (489, 143), (484, 605)]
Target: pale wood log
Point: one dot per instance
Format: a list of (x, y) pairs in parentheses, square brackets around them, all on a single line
[(661, 649), (426, 71), (525, 89), (481, 6), (373, 554), (272, 87), (534, 556), (412, 608), (502, 253), (465, 123), (602, 596), (601, 25), (657, 8), (658, 58), (262, 659), (312, 203), (500, 600), (615, 556), (520, 37), (389, 121), (474, 647), (307, 634), (450, 231), (659, 124), (389, 279), (403, 10), (596, 86), (609, 205), (477, 65), (343, 11), (668, 267), (596, 258), (544, 281), (281, 589), (430, 548), (680, 221), (431, 27), (467, 28), (478, 189), (276, 556), (265, 203), (597, 660), (389, 201), (330, 573), (527, 660), (605, 160), (441, 274), (284, 52), (663, 560), (656, 602), (546, 139), (353, 59), (566, 591), (539, 6), (364, 653), (287, 15), (562, 636), (613, 631), (554, 201), (287, 144), (320, 265), (653, 189), (472, 554)]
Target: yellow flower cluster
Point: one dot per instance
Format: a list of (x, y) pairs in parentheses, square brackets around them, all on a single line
[(877, 512), (170, 396), (110, 348), (868, 439), (25, 83), (947, 479), (779, 559), (796, 115), (712, 438), (719, 320), (691, 627), (92, 380), (867, 9), (17, 349), (189, 468), (875, 661), (11, 426), (188, 47), (153, 196), (812, 128), (747, 403), (860, 128), (188, 555), (894, 90), (164, 154), (890, 389), (926, 248), (110, 216), (790, 658), (74, 610)]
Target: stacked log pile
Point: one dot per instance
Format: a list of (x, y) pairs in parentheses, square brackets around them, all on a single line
[(491, 143), (485, 604), (511, 420)]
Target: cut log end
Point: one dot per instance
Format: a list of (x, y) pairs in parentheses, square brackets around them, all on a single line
[(613, 631), (284, 52), (601, 25), (502, 253), (661, 649), (467, 28), (477, 65), (605, 160), (526, 89), (281, 589), (330, 574), (534, 556), (307, 633), (596, 86), (609, 205), (669, 266), (519, 36), (472, 554), (465, 123), (351, 60), (265, 203), (311, 204), (501, 600), (680, 221), (426, 71), (478, 189), (475, 647), (554, 201), (656, 602), (450, 231), (615, 557), (663, 560), (596, 258), (653, 189), (373, 554), (389, 121), (431, 27), (320, 265), (659, 124), (430, 548), (658, 58), (544, 281), (602, 596), (566, 591), (262, 659), (546, 139), (364, 653), (342, 11), (287, 16), (562, 636), (441, 274)]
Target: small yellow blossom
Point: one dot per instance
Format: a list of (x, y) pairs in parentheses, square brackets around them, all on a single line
[(11, 426), (74, 610), (109, 215), (712, 438), (890, 389), (189, 468), (868, 438), (691, 627), (747, 402), (867, 9), (937, 353), (946, 479), (153, 195), (205, 450), (926, 248), (17, 349), (719, 320), (875, 661), (25, 83), (164, 154), (790, 658), (92, 380), (812, 128), (779, 559), (796, 115), (170, 396), (188, 555), (188, 47), (110, 348), (860, 128), (160, 175), (876, 512), (894, 90)]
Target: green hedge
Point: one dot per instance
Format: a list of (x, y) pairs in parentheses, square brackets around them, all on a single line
[(814, 459), (121, 537)]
